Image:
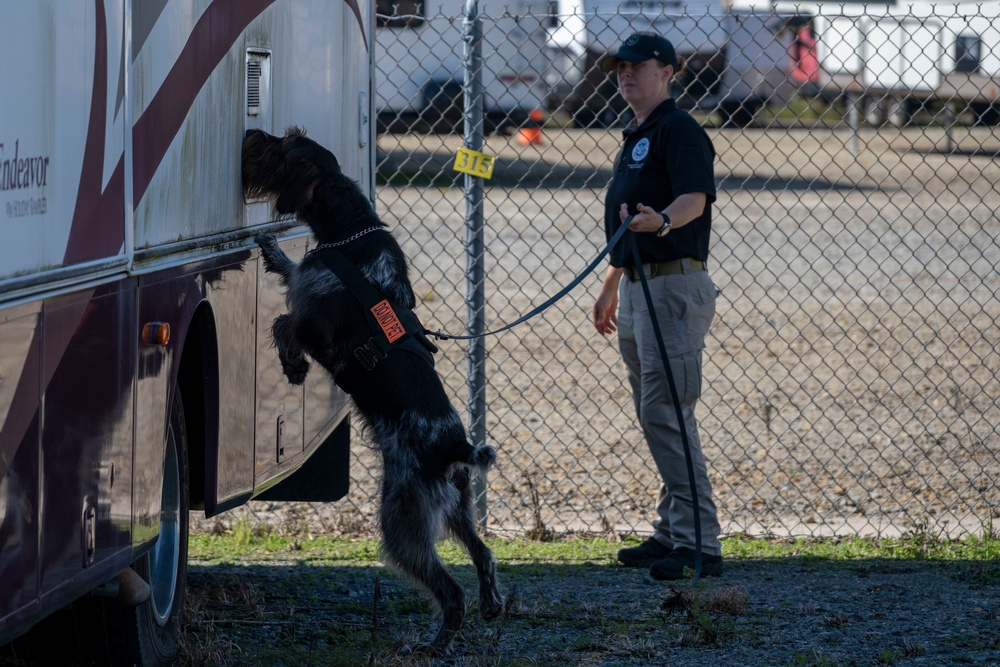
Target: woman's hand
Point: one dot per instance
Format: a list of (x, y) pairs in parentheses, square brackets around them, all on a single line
[(646, 219), (605, 313)]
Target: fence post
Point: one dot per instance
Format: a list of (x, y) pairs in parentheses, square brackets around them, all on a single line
[(475, 274)]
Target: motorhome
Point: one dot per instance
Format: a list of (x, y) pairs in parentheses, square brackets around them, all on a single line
[(137, 378)]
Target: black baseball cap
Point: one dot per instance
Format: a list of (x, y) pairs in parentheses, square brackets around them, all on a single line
[(640, 47)]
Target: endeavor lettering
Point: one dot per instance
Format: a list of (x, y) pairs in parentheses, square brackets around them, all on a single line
[(19, 173)]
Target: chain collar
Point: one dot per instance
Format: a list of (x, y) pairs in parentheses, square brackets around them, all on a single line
[(325, 246)]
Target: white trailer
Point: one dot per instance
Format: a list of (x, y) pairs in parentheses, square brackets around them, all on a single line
[(737, 61), (898, 57), (419, 71)]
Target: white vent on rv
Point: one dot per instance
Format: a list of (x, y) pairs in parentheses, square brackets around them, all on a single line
[(258, 82), (253, 85)]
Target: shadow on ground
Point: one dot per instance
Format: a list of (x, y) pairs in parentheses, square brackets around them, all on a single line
[(425, 168), (803, 611)]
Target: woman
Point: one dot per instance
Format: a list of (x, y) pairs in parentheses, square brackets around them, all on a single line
[(663, 178)]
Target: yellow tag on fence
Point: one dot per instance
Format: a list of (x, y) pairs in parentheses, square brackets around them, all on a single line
[(474, 162)]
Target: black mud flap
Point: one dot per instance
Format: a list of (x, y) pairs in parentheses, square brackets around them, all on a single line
[(324, 477)]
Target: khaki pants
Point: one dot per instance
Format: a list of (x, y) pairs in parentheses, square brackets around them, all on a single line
[(685, 307)]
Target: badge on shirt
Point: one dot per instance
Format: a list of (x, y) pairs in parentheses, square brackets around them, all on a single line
[(641, 150)]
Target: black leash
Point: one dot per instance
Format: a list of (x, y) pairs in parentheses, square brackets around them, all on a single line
[(677, 408), (440, 335)]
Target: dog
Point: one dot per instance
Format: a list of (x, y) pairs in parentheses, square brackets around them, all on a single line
[(426, 455)]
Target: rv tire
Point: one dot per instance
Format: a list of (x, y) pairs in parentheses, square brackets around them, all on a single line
[(150, 631)]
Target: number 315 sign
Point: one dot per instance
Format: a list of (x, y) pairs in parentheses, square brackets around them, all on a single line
[(474, 163)]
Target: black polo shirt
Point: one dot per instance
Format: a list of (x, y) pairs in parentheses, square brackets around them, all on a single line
[(669, 155)]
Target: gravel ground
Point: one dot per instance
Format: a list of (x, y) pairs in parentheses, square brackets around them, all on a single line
[(852, 377), (787, 611)]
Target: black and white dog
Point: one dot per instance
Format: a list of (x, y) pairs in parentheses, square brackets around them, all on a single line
[(427, 458)]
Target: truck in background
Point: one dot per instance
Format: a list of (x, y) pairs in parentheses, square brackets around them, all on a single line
[(137, 378), (737, 60), (897, 58), (419, 51)]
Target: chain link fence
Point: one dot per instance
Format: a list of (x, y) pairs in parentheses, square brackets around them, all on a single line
[(851, 376)]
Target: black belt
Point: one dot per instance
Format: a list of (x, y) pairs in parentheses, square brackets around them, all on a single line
[(673, 267)]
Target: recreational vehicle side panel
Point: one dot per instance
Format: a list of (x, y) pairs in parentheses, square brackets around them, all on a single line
[(325, 85), (88, 361), (20, 397), (189, 121), (60, 153)]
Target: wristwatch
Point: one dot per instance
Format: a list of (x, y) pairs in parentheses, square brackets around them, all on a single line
[(662, 231)]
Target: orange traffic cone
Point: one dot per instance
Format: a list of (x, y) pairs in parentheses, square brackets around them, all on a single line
[(531, 133)]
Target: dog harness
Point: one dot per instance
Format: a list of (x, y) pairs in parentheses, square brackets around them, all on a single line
[(393, 328)]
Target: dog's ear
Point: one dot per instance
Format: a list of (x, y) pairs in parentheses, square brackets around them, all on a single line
[(326, 161), (298, 192), (260, 166)]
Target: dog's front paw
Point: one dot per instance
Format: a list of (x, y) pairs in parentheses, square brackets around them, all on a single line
[(268, 249), (295, 371)]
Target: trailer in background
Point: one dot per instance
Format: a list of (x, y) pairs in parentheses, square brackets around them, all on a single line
[(137, 377), (419, 73), (898, 58), (737, 61)]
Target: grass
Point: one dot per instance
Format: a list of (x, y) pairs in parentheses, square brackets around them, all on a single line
[(804, 110), (916, 545)]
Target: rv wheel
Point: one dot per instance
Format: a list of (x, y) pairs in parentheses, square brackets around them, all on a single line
[(150, 631)]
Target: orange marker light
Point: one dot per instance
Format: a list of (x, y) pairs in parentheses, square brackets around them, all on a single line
[(155, 333)]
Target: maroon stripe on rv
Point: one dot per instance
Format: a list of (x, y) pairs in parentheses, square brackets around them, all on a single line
[(98, 228), (353, 4), (214, 34), (212, 37)]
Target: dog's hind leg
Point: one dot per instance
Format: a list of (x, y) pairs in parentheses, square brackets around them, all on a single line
[(290, 353), (410, 526), (461, 522)]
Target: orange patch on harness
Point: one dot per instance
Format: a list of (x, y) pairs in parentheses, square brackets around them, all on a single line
[(386, 318)]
